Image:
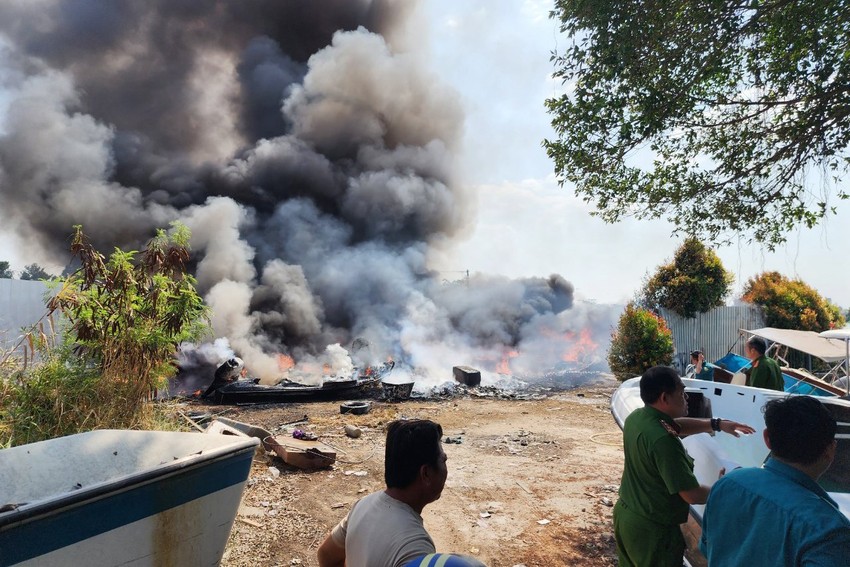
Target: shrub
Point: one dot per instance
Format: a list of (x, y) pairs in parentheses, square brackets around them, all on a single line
[(791, 304), (126, 317), (642, 340), (694, 282)]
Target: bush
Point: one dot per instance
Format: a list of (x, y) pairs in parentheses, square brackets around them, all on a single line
[(694, 282), (642, 340), (792, 304), (126, 317)]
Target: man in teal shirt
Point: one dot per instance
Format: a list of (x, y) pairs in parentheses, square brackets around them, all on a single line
[(779, 514), (658, 481), (765, 372)]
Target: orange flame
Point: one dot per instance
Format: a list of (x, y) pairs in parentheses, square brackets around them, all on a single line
[(504, 367), (580, 347), (285, 362)]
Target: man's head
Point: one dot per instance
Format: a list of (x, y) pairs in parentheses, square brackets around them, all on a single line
[(755, 347), (661, 388), (414, 454), (800, 430), (695, 356)]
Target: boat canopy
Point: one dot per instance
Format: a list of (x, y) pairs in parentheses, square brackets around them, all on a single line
[(831, 350)]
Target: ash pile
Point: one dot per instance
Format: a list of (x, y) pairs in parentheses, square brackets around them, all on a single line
[(509, 387)]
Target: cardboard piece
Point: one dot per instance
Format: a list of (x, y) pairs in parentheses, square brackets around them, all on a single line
[(303, 454)]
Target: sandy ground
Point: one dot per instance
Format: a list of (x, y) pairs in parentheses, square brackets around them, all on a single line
[(532, 482)]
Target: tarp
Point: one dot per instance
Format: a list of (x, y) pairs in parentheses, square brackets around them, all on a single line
[(829, 350)]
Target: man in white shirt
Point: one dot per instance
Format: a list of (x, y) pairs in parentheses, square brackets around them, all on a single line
[(385, 529)]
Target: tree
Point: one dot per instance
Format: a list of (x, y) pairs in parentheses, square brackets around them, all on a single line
[(735, 102), (642, 340), (792, 304), (35, 272), (694, 282), (5, 272)]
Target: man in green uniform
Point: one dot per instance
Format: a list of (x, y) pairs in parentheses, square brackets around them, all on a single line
[(658, 481), (766, 372)]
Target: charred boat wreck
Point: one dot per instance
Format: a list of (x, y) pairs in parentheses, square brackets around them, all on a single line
[(251, 391)]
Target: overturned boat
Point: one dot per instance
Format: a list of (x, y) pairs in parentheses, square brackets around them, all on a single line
[(114, 497)]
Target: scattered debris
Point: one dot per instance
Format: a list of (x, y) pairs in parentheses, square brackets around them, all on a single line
[(338, 505), (524, 487), (304, 435), (249, 522), (358, 407), (457, 440), (225, 426), (355, 473), (543, 522), (303, 454), (353, 431), (397, 391), (467, 375), (274, 471)]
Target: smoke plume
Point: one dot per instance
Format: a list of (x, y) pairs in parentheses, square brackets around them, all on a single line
[(313, 156)]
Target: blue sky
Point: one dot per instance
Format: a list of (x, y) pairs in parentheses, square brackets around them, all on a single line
[(496, 55)]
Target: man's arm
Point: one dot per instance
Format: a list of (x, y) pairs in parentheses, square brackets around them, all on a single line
[(693, 425), (331, 554), (696, 495)]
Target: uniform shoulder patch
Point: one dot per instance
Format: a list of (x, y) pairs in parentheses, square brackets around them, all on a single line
[(669, 428)]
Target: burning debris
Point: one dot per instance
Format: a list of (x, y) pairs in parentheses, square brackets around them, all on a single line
[(228, 372), (311, 153)]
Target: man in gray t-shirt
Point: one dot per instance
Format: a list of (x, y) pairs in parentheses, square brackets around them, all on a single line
[(385, 529)]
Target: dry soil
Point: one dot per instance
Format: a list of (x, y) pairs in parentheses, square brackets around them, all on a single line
[(532, 482)]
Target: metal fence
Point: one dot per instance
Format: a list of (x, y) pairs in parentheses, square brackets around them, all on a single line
[(714, 333), (22, 304)]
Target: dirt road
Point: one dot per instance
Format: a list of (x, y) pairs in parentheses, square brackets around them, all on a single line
[(531, 483)]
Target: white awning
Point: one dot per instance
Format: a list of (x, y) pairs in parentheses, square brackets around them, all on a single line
[(829, 350)]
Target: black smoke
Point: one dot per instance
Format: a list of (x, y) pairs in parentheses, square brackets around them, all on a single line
[(311, 153)]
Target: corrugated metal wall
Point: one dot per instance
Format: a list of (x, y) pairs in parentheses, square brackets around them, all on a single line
[(714, 333), (21, 304)]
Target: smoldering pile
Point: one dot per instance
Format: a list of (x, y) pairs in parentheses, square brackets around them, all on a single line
[(309, 149)]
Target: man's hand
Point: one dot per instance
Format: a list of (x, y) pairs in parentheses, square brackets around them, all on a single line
[(735, 428)]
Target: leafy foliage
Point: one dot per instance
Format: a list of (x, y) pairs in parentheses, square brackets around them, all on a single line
[(5, 271), (792, 304), (733, 102), (694, 282), (35, 272), (642, 340), (126, 317)]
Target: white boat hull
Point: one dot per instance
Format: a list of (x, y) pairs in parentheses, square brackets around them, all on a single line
[(144, 498)]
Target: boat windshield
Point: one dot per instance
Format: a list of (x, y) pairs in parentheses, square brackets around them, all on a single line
[(830, 350)]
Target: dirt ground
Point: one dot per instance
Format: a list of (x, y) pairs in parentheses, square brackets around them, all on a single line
[(532, 482)]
